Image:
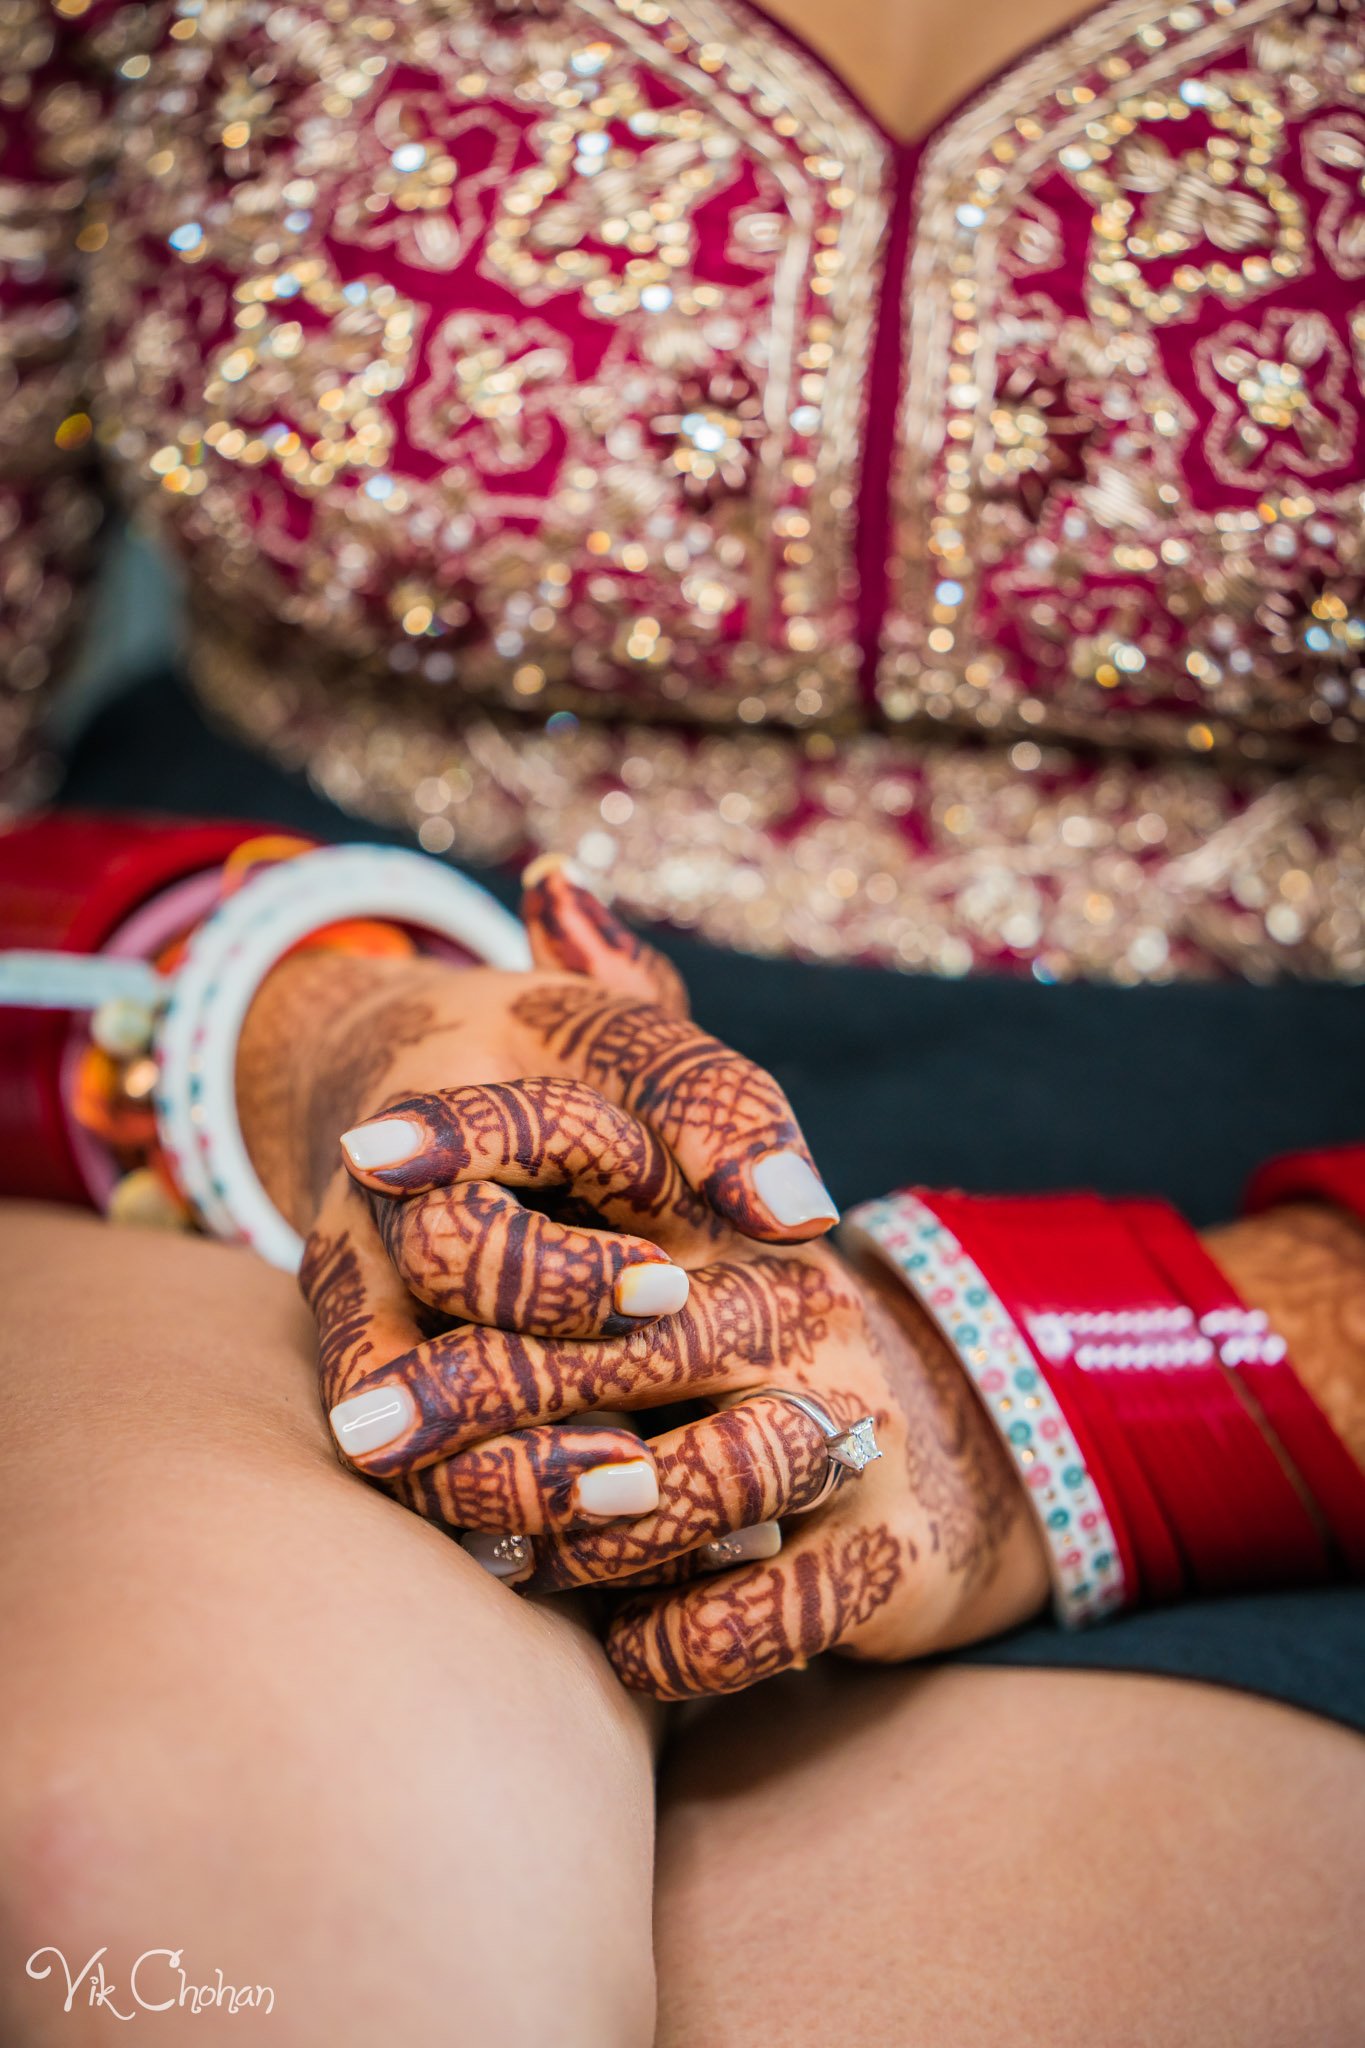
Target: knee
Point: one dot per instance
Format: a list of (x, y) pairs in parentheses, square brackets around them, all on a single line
[(259, 1715), (463, 1866), (100, 1905)]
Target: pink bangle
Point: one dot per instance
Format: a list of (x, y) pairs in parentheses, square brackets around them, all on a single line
[(152, 926)]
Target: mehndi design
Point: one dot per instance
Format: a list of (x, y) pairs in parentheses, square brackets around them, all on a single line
[(466, 1245), (441, 1235), (726, 1120), (912, 1552), (480, 1349)]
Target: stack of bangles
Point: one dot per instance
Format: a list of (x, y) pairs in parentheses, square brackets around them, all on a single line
[(1167, 1445), (1164, 1439), (132, 952)]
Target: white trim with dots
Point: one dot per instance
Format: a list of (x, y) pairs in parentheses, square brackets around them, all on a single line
[(1087, 1569)]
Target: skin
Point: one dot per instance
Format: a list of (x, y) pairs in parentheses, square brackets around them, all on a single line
[(910, 66), (1048, 1859), (330, 1037), (491, 1260), (262, 1712), (932, 1546), (791, 1904), (503, 1372), (1305, 1265), (265, 1712)]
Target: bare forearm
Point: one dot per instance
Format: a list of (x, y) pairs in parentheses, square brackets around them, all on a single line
[(1304, 1265)]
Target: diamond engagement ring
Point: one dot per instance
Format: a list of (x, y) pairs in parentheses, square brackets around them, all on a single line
[(848, 1450)]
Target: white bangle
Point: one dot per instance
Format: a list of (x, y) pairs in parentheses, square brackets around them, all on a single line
[(225, 963), (1083, 1551)]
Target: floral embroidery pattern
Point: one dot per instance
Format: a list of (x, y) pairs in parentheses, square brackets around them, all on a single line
[(502, 372)]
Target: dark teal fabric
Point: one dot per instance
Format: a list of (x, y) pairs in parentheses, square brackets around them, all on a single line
[(988, 1084), (1306, 1649)]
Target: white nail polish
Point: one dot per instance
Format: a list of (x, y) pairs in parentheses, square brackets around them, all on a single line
[(552, 863), (505, 1557), (631, 1488), (654, 1289), (386, 1142), (791, 1190), (747, 1546), (368, 1421)]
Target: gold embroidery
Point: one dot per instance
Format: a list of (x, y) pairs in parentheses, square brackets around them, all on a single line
[(1223, 192), (1279, 396), (593, 447), (46, 529), (51, 138), (920, 854), (419, 181), (506, 372), (1334, 161), (694, 211), (1058, 565)]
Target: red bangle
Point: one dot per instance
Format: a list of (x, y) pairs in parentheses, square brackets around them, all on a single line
[(1090, 1548), (1258, 1366), (1212, 1464), (1335, 1175), (1105, 1318), (67, 881)]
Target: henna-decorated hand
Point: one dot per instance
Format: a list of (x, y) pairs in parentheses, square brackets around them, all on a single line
[(330, 1039), (619, 1197), (934, 1545)]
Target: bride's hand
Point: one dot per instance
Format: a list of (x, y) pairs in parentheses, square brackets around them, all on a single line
[(491, 1428), (331, 1040), (932, 1546), (334, 1042)]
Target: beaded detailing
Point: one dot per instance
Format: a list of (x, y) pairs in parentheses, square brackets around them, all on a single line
[(522, 351), (929, 855), (501, 369), (1087, 1570), (1128, 493)]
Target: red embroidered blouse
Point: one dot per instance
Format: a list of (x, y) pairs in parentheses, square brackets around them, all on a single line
[(581, 424)]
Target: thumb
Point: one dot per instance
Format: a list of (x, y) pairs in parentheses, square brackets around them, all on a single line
[(570, 928)]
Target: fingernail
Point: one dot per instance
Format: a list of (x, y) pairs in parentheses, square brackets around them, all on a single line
[(553, 863), (653, 1289), (746, 1546), (791, 1190), (388, 1141), (506, 1557), (631, 1488), (368, 1421)]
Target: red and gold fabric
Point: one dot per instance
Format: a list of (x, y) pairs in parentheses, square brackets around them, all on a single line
[(581, 425)]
